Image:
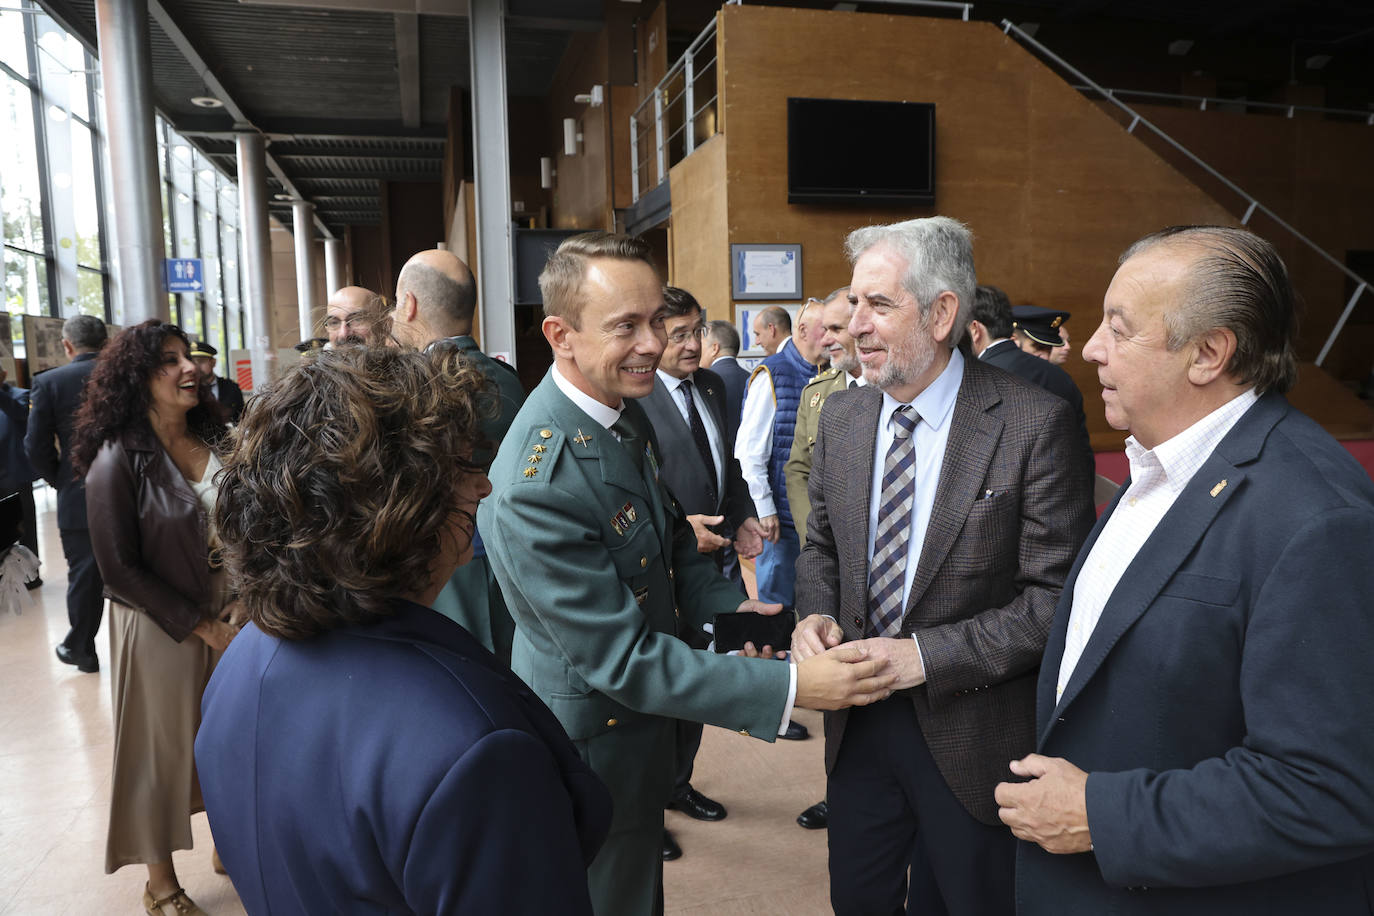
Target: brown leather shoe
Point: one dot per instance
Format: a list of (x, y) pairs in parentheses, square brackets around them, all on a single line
[(216, 864), (174, 904)]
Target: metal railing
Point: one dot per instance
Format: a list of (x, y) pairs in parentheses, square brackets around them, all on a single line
[(1252, 203), (1219, 103), (664, 128)]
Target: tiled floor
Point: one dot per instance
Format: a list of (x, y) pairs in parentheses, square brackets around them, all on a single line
[(55, 749)]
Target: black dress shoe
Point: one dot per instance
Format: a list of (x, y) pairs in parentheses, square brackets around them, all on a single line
[(795, 732), (698, 806), (817, 817), (35, 582), (671, 850), (88, 664)]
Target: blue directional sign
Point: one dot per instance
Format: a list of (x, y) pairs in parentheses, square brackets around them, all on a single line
[(185, 275)]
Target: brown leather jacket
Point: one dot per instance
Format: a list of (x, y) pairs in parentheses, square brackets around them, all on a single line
[(148, 532)]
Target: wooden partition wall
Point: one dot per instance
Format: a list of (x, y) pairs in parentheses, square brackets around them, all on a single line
[(1052, 187)]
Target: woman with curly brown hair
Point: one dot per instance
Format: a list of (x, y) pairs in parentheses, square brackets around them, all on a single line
[(360, 751), (143, 440)]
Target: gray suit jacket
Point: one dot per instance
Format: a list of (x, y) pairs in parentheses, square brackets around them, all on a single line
[(1011, 509), (682, 470)]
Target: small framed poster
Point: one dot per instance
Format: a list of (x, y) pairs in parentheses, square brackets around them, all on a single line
[(744, 323), (766, 271)]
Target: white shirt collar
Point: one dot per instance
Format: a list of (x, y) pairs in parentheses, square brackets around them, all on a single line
[(936, 403), (669, 381), (1181, 456), (593, 408), (993, 344)]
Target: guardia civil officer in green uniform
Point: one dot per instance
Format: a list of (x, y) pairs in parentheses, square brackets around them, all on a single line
[(435, 299), (597, 563)]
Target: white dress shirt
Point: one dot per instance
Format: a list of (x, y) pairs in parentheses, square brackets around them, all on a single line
[(754, 441), (707, 420), (607, 416), (935, 406), (1158, 476)]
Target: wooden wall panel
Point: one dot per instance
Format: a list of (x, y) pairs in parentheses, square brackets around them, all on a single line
[(699, 244), (582, 194), (1052, 188)]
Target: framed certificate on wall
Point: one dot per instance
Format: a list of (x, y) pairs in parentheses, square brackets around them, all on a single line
[(766, 271)]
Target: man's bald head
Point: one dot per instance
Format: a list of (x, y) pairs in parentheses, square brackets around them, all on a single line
[(435, 298), (355, 315)]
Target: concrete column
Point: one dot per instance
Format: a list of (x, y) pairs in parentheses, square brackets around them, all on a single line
[(126, 73), (491, 135), (256, 256), (303, 232), (333, 267)]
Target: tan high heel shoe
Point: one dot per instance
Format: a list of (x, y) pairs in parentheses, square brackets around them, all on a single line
[(181, 905)]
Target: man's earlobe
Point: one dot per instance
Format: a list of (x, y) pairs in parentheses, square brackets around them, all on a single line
[(556, 333), (1212, 359)]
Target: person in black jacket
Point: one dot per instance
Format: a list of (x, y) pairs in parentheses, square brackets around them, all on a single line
[(226, 391), (990, 332), (54, 400)]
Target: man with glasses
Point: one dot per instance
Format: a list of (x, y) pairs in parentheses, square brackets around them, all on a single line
[(687, 410), (355, 315)]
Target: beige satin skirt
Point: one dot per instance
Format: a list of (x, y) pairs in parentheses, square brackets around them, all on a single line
[(157, 685)]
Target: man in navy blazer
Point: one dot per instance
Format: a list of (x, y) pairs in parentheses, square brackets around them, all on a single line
[(720, 354), (56, 396), (1205, 730)]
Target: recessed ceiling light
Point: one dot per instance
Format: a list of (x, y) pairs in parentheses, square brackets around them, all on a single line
[(282, 197), (206, 101), (1317, 61), (1180, 47)]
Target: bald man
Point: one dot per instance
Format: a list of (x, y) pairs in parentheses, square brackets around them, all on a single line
[(435, 299), (355, 315)]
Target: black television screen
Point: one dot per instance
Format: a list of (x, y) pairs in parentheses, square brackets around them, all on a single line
[(847, 151)]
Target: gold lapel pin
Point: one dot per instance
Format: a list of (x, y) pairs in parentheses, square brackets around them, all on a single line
[(1218, 488)]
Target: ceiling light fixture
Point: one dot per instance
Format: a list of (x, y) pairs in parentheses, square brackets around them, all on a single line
[(206, 101), (1180, 47), (1318, 61)]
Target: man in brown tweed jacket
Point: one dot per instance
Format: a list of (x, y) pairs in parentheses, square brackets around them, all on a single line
[(947, 504)]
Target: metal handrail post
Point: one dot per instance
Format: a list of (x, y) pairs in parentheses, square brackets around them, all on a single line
[(1340, 323), (658, 131), (689, 106), (634, 159)]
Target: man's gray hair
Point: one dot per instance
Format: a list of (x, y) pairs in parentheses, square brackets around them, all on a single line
[(938, 251), (84, 332), (1237, 281), (725, 334)]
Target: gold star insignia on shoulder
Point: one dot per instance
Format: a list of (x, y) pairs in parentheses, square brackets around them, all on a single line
[(539, 449), (535, 459), (530, 472)]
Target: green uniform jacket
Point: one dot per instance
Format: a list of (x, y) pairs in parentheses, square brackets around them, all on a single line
[(797, 471), (596, 563)]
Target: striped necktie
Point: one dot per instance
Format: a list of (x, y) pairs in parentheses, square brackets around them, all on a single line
[(887, 570)]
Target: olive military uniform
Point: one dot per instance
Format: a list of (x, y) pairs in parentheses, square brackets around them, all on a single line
[(797, 471)]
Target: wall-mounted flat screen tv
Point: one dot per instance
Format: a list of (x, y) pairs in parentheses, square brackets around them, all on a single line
[(849, 151)]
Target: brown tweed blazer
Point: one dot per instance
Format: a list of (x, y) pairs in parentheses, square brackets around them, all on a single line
[(1011, 510)]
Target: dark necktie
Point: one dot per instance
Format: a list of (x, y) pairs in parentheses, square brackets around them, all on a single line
[(888, 569), (853, 383), (629, 438), (702, 440)]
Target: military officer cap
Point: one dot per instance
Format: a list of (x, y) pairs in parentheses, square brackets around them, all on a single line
[(1039, 324), (201, 348)]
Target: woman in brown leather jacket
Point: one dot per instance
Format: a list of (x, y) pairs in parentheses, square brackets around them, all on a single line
[(144, 440)]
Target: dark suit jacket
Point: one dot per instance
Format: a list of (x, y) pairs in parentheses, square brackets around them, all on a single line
[(1224, 704), (230, 396), (1041, 372), (682, 468), (56, 395), (393, 767), (1011, 509), (736, 379)]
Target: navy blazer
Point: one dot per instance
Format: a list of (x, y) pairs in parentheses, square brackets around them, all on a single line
[(396, 767), (736, 379), (1224, 704), (55, 396), (1006, 355)]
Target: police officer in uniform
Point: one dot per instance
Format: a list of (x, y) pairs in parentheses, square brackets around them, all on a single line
[(597, 564)]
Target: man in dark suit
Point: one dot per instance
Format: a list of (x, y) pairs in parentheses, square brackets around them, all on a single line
[(1205, 734), (436, 296), (990, 330), (720, 354), (687, 410), (56, 395), (947, 503), (226, 391)]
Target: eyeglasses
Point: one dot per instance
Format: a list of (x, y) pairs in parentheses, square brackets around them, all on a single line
[(678, 338), (334, 322)]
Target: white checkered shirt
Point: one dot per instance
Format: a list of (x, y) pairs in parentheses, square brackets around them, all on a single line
[(1158, 476)]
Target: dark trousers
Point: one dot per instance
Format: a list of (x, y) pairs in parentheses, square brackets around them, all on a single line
[(84, 586), (891, 811), (688, 743), (29, 536)]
